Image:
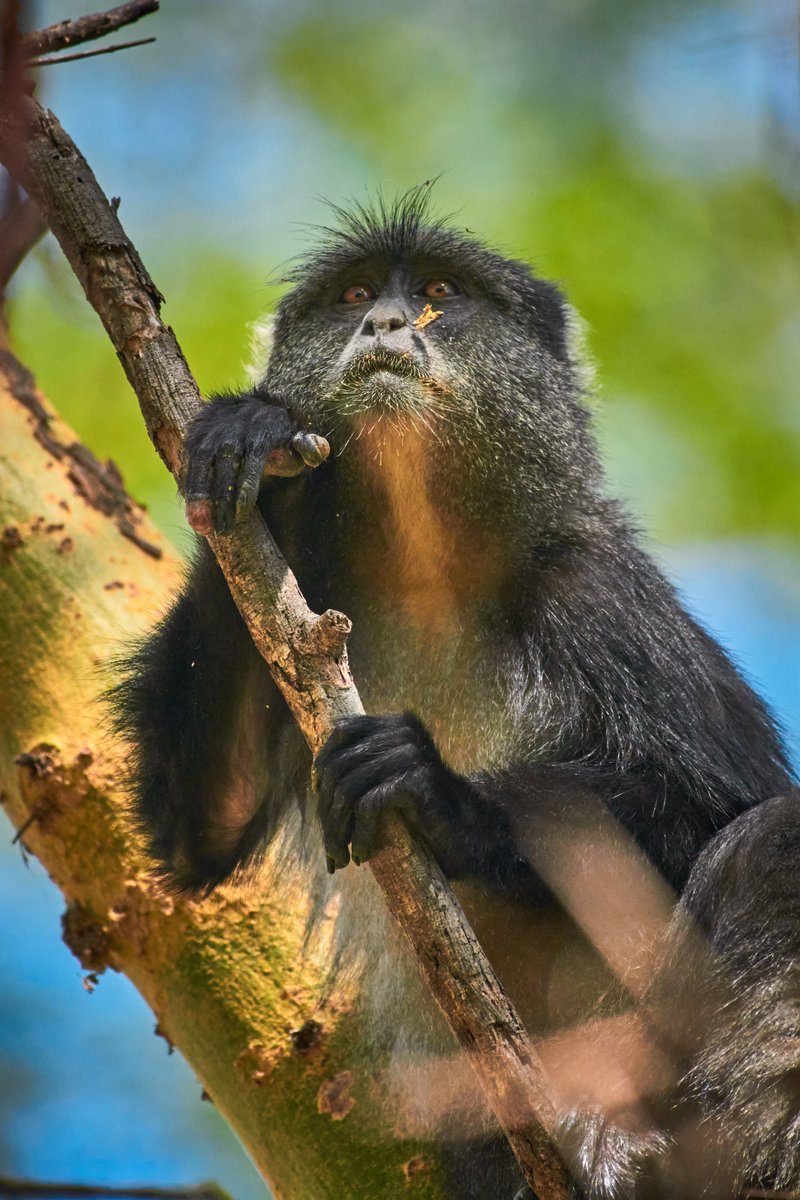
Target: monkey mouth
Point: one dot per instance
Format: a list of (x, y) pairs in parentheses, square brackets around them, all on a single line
[(393, 361), (387, 379)]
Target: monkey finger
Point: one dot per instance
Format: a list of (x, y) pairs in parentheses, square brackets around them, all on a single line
[(306, 450), (337, 811), (248, 482), (199, 514), (223, 488), (335, 808), (284, 462), (367, 837), (199, 474), (337, 856), (337, 825), (312, 448)]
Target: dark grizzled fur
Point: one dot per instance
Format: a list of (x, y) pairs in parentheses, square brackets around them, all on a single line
[(569, 662)]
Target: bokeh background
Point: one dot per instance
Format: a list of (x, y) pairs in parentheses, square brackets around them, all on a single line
[(642, 152)]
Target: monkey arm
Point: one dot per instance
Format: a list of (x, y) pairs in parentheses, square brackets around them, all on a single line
[(636, 711), (197, 704), (505, 828)]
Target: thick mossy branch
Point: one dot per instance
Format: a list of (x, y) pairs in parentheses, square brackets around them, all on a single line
[(228, 979)]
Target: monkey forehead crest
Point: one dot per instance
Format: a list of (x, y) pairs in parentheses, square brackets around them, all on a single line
[(406, 230)]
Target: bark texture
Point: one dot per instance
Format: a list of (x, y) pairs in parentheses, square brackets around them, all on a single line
[(85, 29)]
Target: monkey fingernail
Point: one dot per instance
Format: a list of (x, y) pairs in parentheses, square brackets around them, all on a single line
[(198, 514), (330, 864), (312, 448)]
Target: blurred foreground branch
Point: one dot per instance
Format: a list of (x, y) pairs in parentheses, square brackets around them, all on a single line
[(34, 1189), (21, 227)]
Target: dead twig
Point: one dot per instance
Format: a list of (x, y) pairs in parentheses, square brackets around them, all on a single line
[(61, 58), (85, 29)]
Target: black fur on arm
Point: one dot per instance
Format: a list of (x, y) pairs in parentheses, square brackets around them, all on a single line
[(642, 705), (195, 699), (195, 702)]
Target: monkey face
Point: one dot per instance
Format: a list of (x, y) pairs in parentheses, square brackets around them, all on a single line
[(382, 337), (405, 327), (393, 360)]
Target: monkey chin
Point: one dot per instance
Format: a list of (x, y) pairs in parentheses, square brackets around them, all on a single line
[(386, 393)]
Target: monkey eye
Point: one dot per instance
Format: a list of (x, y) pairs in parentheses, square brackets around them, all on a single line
[(436, 289), (357, 293)]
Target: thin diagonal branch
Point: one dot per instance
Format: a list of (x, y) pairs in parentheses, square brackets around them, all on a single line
[(316, 684), (61, 58)]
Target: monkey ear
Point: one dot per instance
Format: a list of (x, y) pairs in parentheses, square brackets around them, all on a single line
[(262, 337)]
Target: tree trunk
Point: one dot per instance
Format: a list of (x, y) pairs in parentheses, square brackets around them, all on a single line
[(231, 985)]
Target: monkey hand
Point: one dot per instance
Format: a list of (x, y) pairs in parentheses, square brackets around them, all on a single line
[(232, 442), (372, 764)]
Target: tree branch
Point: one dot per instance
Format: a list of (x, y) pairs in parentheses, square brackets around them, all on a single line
[(85, 29), (232, 979), (318, 689), (81, 54)]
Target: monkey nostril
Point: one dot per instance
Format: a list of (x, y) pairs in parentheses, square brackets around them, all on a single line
[(388, 324), (377, 323)]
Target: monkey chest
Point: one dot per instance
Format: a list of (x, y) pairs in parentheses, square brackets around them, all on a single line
[(447, 680)]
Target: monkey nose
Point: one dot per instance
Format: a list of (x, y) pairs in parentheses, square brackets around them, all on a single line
[(383, 321)]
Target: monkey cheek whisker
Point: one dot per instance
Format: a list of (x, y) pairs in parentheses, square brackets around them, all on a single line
[(347, 443)]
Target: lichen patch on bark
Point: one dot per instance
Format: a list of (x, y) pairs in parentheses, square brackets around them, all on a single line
[(415, 1167), (334, 1096), (99, 484), (258, 1061)]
